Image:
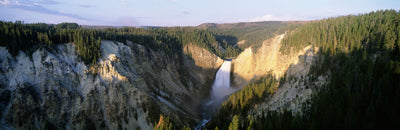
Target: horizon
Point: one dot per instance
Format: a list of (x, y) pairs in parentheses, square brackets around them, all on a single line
[(171, 13), (122, 26)]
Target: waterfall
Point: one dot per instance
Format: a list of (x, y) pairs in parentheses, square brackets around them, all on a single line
[(221, 86), (220, 89)]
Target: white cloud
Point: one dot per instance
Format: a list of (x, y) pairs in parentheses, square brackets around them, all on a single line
[(18, 3), (5, 2), (269, 17), (38, 8)]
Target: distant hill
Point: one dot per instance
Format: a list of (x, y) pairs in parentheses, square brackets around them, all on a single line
[(246, 34), (100, 26), (244, 24)]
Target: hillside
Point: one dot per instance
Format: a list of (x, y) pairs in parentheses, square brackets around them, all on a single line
[(129, 87), (104, 78), (334, 73), (350, 76), (110, 70), (244, 35)]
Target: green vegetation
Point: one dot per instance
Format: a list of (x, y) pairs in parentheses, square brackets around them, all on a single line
[(363, 92), (253, 33), (371, 32), (27, 37), (242, 101), (19, 36), (165, 123), (361, 56)]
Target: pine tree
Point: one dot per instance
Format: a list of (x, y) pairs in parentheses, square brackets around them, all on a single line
[(234, 125)]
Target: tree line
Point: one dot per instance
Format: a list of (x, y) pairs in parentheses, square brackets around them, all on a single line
[(254, 34), (19, 36), (360, 54)]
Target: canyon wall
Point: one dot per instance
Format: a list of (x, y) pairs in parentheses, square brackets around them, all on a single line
[(129, 87), (293, 69)]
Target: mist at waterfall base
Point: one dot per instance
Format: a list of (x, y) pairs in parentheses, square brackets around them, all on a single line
[(221, 89)]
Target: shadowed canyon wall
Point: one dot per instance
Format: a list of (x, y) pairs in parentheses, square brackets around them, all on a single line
[(129, 87)]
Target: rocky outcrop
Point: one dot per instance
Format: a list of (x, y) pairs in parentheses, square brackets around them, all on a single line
[(128, 88), (202, 63), (293, 67), (202, 57), (298, 85), (251, 64)]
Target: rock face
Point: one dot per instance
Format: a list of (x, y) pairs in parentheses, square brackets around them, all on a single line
[(294, 67), (299, 85), (202, 63), (202, 57), (251, 64), (128, 88)]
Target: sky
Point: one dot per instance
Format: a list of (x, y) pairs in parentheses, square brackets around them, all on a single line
[(182, 12)]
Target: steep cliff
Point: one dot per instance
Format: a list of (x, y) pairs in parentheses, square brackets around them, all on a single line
[(298, 85), (251, 64), (292, 69), (129, 87), (205, 63)]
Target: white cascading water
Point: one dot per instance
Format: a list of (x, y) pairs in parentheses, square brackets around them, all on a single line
[(220, 89), (221, 86)]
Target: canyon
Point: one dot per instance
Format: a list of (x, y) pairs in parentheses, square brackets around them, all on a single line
[(132, 85)]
